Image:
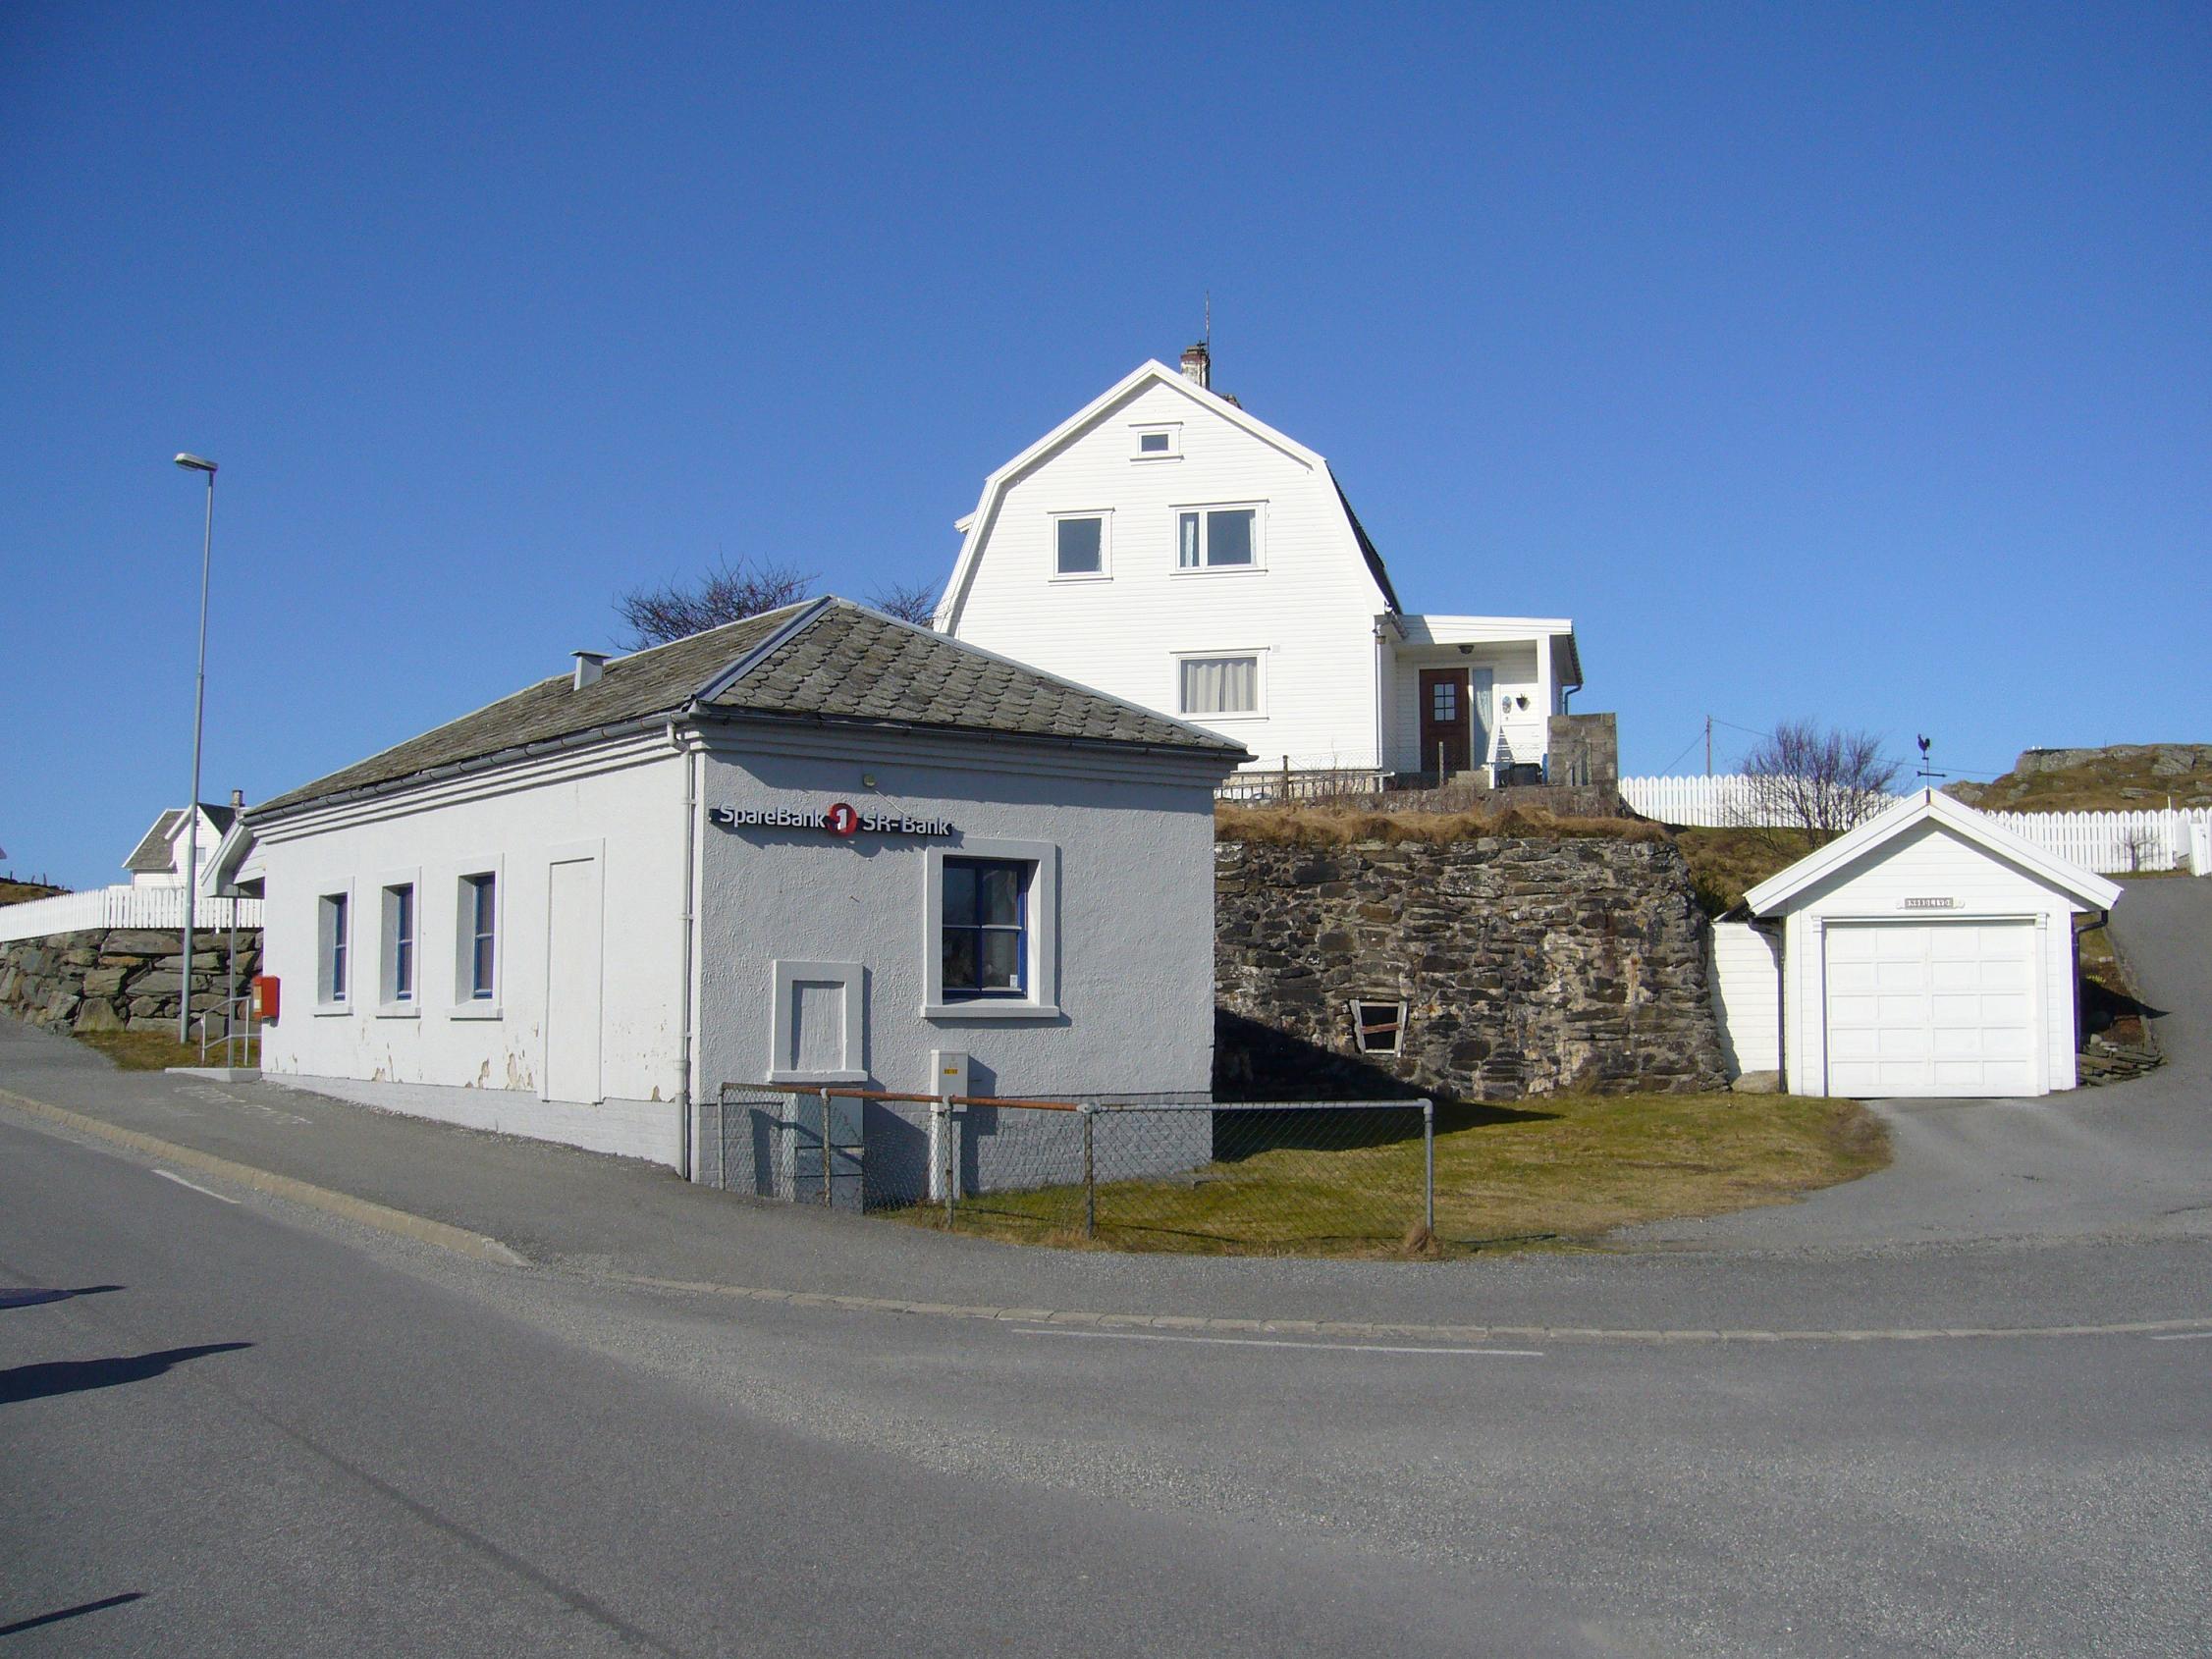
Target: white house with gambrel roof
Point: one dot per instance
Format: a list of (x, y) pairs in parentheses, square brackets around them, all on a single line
[(1164, 545)]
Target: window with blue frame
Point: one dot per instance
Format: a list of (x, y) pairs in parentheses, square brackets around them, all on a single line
[(479, 923), (398, 929), (985, 942)]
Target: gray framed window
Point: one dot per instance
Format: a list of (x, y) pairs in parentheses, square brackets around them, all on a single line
[(984, 922), (1079, 545), (1216, 538), (398, 942), (333, 933), (480, 917)]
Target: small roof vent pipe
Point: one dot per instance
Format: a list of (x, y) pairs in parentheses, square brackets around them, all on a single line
[(1198, 364), (590, 664), (238, 800)]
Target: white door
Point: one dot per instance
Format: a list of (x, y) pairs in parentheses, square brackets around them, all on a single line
[(572, 933), (1932, 1008)]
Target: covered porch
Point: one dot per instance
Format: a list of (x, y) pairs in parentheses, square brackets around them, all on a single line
[(1473, 695)]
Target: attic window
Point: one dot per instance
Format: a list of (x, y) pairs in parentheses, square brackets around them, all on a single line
[(1379, 1027), (1157, 443)]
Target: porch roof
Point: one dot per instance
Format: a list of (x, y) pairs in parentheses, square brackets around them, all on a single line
[(1427, 628)]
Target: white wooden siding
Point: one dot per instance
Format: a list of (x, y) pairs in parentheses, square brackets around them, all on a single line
[(1930, 862), (1512, 670), (1747, 993), (1312, 599)]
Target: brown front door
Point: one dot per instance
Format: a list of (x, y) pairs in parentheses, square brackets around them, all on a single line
[(1446, 724)]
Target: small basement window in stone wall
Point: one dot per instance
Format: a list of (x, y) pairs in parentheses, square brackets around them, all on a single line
[(1379, 1027)]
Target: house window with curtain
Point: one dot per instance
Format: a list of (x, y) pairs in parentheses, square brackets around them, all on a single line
[(1217, 538), (1218, 685), (1079, 545)]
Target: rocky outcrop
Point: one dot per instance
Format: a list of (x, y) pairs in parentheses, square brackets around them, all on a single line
[(1527, 966), (121, 979)]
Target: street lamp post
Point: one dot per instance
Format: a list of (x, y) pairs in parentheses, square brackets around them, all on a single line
[(196, 463)]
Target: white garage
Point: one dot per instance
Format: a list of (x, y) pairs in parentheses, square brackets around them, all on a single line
[(1928, 953)]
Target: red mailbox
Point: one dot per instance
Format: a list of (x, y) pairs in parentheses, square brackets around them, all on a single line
[(267, 997)]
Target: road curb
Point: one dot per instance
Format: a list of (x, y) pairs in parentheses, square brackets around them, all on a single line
[(480, 1248), (383, 1217)]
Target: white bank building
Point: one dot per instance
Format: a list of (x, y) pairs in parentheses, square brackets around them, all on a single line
[(816, 847)]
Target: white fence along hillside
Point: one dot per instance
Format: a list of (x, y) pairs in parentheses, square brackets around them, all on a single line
[(2112, 843), (123, 907)]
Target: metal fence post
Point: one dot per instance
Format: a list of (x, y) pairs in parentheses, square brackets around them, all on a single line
[(1428, 1165), (1090, 1178), (951, 1154)]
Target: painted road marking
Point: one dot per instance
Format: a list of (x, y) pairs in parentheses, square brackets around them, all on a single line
[(2186, 1336), (167, 1175), (1274, 1342)]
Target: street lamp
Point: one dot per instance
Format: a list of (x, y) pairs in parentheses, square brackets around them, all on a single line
[(196, 463)]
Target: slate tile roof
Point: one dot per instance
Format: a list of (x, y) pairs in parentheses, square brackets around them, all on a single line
[(825, 660), (152, 855)]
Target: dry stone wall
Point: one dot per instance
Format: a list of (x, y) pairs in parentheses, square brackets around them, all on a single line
[(120, 978), (1527, 966)]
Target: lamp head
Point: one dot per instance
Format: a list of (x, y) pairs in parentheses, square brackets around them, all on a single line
[(196, 463)]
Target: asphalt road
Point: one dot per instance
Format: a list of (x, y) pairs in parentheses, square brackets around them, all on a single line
[(258, 1430)]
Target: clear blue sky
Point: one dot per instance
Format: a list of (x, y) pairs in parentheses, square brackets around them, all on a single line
[(1842, 361)]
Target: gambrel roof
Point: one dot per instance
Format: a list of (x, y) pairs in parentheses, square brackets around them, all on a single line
[(825, 660), (978, 524)]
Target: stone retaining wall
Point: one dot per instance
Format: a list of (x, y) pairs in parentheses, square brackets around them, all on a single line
[(1528, 967), (120, 978)]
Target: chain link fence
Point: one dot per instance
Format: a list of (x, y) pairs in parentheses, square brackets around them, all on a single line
[(1331, 1178)]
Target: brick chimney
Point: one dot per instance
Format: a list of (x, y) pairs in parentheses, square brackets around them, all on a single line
[(1198, 366)]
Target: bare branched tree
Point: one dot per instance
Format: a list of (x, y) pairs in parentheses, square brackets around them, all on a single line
[(910, 602), (728, 593), (1818, 780)]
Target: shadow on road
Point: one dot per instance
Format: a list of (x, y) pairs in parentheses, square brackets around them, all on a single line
[(39, 1298), (76, 1376), (77, 1612)]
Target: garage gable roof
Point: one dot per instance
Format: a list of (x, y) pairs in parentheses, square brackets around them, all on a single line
[(2091, 889)]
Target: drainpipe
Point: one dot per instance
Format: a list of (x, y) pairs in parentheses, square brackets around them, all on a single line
[(690, 912)]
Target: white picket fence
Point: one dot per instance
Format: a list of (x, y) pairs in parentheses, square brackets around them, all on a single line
[(2112, 843), (123, 907)]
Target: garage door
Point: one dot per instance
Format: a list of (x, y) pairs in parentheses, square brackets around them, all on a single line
[(1931, 1008)]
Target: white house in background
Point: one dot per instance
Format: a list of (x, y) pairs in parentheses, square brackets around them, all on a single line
[(814, 847), (158, 860), (1166, 546), (1929, 952)]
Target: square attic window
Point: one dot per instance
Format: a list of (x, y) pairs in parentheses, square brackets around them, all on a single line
[(1379, 1027)]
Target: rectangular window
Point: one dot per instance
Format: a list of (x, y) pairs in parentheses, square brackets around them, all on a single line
[(398, 935), (984, 946), (1379, 1027), (335, 946), (1079, 546), (481, 921), (1217, 538), (1218, 685), (1158, 443)]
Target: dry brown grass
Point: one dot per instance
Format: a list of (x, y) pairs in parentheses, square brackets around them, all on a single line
[(1559, 1170), (1325, 827), (22, 893), (157, 1051), (1726, 864)]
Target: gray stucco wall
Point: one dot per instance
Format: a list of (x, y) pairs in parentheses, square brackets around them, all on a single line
[(1133, 925)]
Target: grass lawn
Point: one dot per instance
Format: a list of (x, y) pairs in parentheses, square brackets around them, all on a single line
[(1557, 1170), (156, 1050)]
